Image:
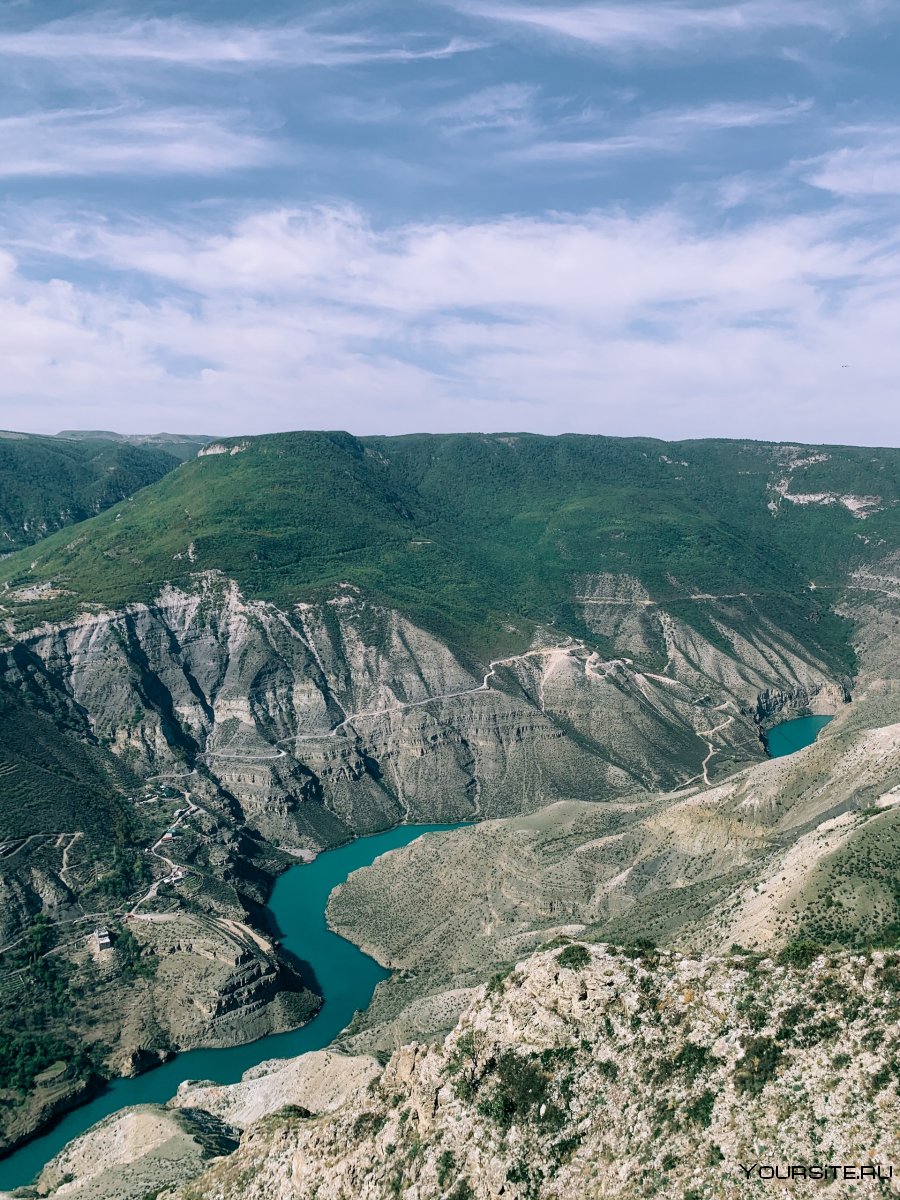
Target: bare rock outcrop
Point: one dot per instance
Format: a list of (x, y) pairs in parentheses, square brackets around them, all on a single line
[(589, 1071)]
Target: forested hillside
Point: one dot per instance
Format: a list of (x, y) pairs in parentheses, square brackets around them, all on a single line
[(48, 483)]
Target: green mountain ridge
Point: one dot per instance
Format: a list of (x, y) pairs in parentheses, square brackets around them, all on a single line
[(483, 537), (48, 484)]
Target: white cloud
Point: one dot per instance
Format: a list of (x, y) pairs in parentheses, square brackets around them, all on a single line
[(603, 322), (127, 142), (855, 171), (507, 267), (179, 42), (658, 25)]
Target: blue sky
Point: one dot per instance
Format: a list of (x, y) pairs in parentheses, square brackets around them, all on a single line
[(643, 217)]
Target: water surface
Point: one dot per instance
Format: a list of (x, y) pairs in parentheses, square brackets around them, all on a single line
[(344, 977), (791, 736)]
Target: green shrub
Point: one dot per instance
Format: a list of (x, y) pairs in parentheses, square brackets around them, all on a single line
[(799, 953), (368, 1124), (700, 1110), (563, 1150), (640, 948), (557, 1054), (758, 1066), (574, 957), (531, 1178), (818, 1031), (520, 1089), (463, 1054), (132, 959), (287, 1113), (692, 1059), (446, 1168), (496, 983)]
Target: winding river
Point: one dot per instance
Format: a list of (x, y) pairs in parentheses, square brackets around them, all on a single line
[(344, 977)]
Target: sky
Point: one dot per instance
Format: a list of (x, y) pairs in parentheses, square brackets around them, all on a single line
[(674, 218)]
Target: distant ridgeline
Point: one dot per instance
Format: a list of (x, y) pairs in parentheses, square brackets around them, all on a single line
[(481, 538), (49, 483), (179, 445)]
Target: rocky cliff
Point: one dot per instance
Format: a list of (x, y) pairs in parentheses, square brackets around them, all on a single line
[(329, 720), (303, 727), (798, 846), (586, 1070)]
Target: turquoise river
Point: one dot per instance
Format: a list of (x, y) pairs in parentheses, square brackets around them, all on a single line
[(344, 977), (791, 736)]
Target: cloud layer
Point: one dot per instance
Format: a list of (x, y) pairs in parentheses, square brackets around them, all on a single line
[(671, 217), (181, 42), (305, 317), (669, 25)]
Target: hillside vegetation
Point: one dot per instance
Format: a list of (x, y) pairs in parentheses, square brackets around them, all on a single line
[(47, 483), (483, 537)]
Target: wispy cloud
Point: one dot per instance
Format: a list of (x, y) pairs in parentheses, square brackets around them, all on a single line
[(871, 168), (179, 42), (657, 25), (73, 142), (668, 131), (505, 106)]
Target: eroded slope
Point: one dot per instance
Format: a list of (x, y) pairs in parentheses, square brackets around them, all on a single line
[(589, 1071)]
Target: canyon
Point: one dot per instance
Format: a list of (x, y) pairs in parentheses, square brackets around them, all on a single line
[(596, 717)]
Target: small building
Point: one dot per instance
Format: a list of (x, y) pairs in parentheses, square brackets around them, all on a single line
[(104, 941)]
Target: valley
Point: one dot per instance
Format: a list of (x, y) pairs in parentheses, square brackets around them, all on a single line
[(577, 648)]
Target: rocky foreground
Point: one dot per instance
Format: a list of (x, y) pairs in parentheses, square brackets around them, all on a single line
[(587, 1071)]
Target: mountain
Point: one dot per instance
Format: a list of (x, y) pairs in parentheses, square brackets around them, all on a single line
[(46, 484), (182, 446), (575, 644), (341, 633), (78, 831), (484, 538)]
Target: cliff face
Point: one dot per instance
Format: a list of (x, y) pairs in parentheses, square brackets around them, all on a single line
[(344, 717), (309, 726), (822, 699), (588, 1071), (797, 846)]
